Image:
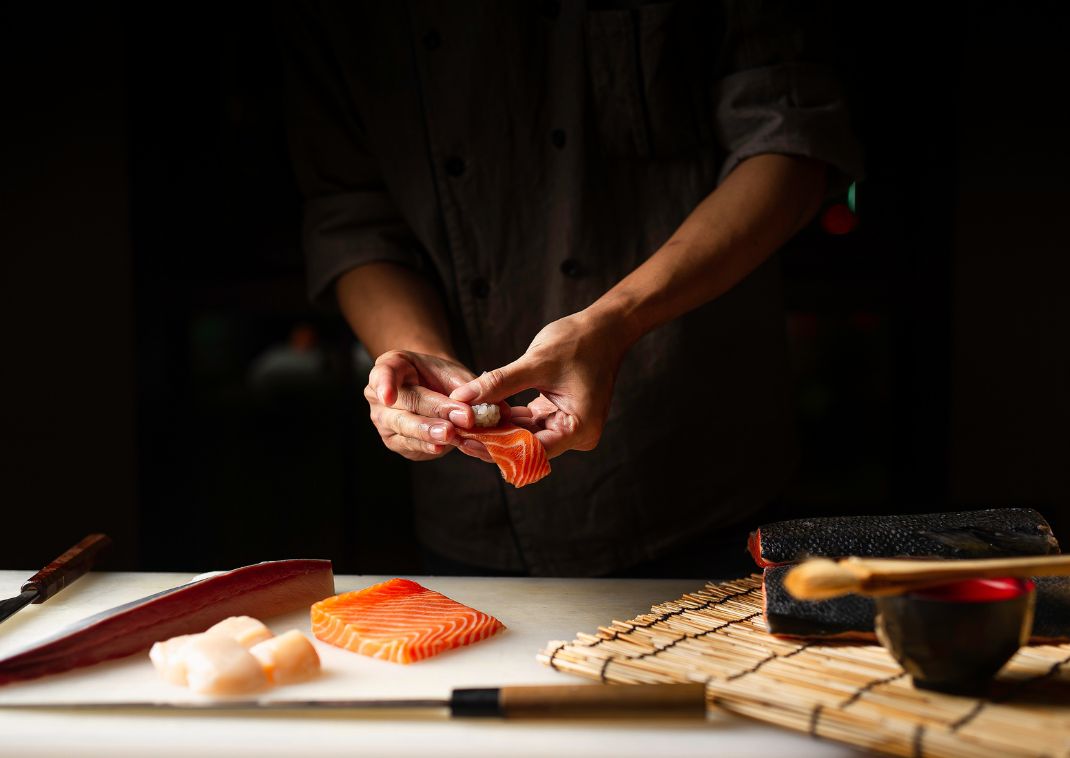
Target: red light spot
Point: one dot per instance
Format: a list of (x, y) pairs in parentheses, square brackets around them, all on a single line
[(864, 321), (802, 325), (838, 219), (978, 590), (303, 338)]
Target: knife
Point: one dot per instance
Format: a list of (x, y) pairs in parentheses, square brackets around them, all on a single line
[(514, 701), (56, 575)]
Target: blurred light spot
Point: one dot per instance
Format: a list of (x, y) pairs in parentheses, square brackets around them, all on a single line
[(802, 325), (838, 219), (865, 321)]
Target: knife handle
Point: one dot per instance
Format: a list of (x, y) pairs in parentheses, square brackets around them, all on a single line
[(68, 567), (581, 700)]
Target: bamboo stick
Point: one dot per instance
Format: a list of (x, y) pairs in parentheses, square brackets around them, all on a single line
[(822, 578)]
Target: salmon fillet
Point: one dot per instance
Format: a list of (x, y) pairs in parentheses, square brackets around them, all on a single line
[(399, 621), (518, 453)]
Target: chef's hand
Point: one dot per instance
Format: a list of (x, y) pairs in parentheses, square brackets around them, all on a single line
[(573, 363), (406, 394)]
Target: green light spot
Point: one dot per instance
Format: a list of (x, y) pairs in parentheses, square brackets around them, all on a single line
[(851, 197)]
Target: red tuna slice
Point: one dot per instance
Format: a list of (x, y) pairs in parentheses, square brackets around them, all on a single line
[(261, 590), (519, 454)]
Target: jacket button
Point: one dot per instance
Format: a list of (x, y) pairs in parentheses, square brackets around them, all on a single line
[(455, 166), (432, 41), (557, 138), (480, 287), (572, 268)]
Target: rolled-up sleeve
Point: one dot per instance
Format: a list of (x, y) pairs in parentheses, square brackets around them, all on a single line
[(349, 217), (778, 96)]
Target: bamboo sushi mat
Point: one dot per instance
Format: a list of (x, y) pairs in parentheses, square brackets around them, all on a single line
[(849, 692)]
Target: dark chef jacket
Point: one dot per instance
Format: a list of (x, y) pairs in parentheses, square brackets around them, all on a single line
[(526, 156)]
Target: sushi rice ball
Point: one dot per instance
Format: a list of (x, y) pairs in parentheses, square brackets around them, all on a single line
[(487, 414)]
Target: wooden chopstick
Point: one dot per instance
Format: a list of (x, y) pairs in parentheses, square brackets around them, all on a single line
[(821, 578)]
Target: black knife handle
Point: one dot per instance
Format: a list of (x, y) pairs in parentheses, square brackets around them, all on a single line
[(476, 701), (68, 567), (628, 700)]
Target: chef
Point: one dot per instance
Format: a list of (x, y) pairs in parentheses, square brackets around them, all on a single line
[(575, 206)]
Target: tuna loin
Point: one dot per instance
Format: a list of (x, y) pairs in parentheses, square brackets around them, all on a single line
[(966, 534), (260, 590)]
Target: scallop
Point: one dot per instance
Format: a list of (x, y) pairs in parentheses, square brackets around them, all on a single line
[(290, 657)]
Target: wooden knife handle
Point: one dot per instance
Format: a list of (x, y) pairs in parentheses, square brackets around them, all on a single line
[(68, 567), (582, 700)]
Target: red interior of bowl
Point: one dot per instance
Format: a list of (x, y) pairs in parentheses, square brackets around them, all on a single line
[(977, 590)]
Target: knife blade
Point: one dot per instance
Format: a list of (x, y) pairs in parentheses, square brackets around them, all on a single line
[(56, 575), (512, 701)]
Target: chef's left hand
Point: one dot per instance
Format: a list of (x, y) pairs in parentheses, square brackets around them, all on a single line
[(573, 363)]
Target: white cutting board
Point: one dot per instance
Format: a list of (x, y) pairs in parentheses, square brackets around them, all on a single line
[(533, 611)]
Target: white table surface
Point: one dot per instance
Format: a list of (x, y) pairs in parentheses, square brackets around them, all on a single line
[(534, 610)]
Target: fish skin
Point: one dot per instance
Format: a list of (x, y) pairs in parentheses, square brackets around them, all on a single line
[(520, 456), (852, 616), (965, 534), (399, 621), (786, 616)]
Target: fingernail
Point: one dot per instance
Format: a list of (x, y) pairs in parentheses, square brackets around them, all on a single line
[(458, 418), (465, 393), (474, 445), (438, 431)]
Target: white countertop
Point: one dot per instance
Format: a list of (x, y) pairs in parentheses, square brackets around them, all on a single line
[(534, 610)]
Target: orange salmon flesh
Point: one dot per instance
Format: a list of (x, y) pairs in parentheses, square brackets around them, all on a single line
[(399, 621), (520, 456)]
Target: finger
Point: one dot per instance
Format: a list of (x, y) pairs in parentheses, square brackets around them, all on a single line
[(519, 411), (391, 370), (498, 384), (424, 402), (562, 432), (555, 442), (527, 423), (413, 449), (542, 408), (562, 422), (475, 449), (423, 428)]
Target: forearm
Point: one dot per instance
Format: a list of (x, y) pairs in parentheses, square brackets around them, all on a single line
[(391, 307), (762, 203)]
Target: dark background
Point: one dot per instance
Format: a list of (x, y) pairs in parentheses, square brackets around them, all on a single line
[(149, 244)]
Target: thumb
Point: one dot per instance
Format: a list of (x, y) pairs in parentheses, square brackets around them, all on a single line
[(497, 384)]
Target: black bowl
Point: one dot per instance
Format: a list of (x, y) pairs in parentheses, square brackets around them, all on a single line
[(955, 637)]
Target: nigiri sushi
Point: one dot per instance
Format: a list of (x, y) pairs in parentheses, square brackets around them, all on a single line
[(519, 454)]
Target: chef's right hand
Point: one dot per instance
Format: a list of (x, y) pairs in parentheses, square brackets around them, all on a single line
[(407, 394)]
